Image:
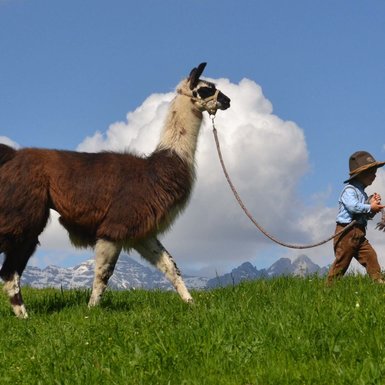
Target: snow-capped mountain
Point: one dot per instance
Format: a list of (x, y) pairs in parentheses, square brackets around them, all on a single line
[(300, 267), (130, 274), (244, 272)]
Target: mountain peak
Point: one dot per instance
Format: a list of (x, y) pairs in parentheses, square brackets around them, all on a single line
[(130, 274)]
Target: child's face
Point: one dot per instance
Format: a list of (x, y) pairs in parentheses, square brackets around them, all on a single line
[(367, 177)]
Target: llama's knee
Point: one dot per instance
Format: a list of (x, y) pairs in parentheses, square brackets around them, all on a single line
[(106, 255), (154, 252)]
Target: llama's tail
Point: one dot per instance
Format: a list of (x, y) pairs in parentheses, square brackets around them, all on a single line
[(6, 153)]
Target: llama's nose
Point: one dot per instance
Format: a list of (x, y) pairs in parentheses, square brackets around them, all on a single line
[(224, 101)]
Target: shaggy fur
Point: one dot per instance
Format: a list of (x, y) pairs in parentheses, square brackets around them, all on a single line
[(105, 200)]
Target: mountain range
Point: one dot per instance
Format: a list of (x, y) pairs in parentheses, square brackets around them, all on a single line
[(302, 266), (130, 274)]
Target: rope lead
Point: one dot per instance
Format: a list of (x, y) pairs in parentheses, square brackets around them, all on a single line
[(259, 227)]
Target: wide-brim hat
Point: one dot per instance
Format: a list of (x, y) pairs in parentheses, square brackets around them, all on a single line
[(359, 162)]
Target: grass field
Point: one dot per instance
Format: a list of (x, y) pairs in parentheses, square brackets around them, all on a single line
[(280, 331)]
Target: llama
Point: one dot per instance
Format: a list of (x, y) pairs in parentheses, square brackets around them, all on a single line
[(109, 201)]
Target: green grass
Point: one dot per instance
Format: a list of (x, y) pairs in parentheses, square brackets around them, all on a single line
[(280, 331)]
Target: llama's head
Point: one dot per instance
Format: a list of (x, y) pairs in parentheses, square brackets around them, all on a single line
[(204, 94)]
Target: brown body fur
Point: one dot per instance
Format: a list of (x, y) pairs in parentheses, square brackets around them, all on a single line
[(119, 197)]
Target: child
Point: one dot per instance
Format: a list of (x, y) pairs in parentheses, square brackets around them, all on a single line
[(354, 204)]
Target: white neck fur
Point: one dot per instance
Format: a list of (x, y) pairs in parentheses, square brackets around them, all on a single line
[(181, 128)]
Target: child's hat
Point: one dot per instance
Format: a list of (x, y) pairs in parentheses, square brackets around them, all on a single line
[(359, 162)]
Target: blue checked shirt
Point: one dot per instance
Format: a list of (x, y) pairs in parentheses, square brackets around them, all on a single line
[(353, 204)]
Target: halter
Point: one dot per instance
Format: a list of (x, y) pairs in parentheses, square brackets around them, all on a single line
[(208, 104)]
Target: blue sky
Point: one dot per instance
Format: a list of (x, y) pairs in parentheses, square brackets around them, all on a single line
[(69, 69)]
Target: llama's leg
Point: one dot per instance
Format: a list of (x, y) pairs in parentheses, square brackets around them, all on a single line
[(106, 255), (11, 271), (152, 250), (13, 290)]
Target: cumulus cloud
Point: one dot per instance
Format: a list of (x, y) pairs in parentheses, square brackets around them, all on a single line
[(377, 238), (139, 133), (266, 157), (8, 141)]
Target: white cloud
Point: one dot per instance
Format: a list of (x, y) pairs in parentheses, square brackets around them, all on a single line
[(8, 141), (265, 155), (377, 238), (139, 133)]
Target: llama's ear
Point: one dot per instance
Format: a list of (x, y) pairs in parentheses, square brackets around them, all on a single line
[(195, 75)]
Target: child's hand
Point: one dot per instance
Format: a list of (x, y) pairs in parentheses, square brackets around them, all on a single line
[(375, 203), (377, 197)]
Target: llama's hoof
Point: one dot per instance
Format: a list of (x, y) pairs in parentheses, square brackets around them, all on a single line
[(94, 301), (20, 312), (190, 301)]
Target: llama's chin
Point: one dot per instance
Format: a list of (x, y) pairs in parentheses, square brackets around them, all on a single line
[(222, 106)]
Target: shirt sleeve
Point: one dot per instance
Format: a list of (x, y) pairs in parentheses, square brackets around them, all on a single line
[(352, 203)]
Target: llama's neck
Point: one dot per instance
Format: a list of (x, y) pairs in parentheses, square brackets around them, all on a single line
[(181, 129)]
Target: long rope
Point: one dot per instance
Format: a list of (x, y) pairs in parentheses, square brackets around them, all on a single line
[(260, 228)]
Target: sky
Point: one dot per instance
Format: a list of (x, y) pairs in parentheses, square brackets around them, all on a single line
[(307, 84)]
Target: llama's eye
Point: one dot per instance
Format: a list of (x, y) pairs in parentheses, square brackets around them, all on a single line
[(206, 92), (195, 94)]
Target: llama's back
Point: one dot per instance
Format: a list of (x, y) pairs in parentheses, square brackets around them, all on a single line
[(84, 183), (116, 196), (150, 202), (119, 197)]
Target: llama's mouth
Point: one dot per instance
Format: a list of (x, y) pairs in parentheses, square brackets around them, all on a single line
[(223, 102)]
